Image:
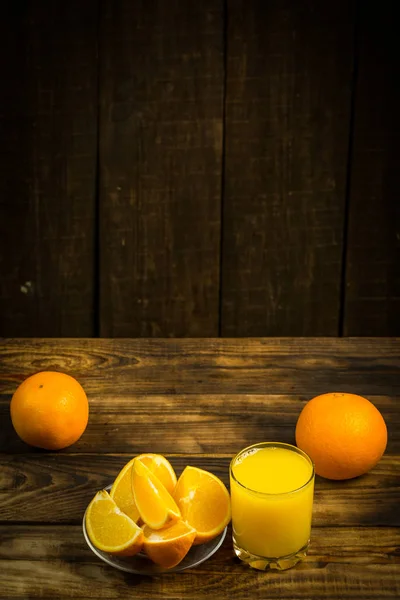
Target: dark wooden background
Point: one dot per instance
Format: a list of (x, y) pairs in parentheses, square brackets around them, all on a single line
[(185, 168)]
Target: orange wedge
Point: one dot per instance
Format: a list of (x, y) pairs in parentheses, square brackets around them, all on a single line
[(111, 530), (121, 492), (155, 504), (167, 547), (204, 503), (161, 468)]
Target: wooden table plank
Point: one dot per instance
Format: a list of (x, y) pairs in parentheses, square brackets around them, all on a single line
[(60, 486), (372, 545), (308, 366), (53, 562), (211, 423), (197, 401)]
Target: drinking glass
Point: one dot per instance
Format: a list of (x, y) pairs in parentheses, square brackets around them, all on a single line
[(272, 489)]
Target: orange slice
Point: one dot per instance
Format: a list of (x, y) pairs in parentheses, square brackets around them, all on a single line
[(161, 468), (204, 503), (121, 492), (111, 530), (167, 547), (155, 504)]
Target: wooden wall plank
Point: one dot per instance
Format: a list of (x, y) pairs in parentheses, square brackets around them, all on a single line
[(160, 152), (48, 116), (289, 72), (372, 302)]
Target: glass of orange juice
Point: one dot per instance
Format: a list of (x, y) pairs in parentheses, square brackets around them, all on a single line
[(272, 489)]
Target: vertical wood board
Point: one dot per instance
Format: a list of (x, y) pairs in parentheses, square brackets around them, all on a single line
[(160, 153), (48, 115), (372, 302), (289, 73)]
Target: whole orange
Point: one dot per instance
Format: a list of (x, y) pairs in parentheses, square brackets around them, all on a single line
[(345, 435), (50, 410)]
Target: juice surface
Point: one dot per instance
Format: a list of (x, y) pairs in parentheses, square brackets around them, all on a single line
[(271, 514), (272, 470)]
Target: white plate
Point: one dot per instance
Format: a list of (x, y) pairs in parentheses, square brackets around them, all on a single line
[(141, 565)]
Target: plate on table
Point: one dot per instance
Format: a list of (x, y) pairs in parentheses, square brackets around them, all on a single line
[(140, 564)]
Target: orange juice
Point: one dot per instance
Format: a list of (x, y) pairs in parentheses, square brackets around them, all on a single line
[(272, 488)]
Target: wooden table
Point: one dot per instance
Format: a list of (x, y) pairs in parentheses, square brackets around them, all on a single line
[(198, 402)]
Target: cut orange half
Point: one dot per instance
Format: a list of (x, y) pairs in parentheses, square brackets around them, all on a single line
[(168, 547), (161, 468), (204, 503), (154, 503), (111, 530), (121, 492)]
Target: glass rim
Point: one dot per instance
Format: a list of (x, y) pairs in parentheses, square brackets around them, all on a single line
[(290, 447)]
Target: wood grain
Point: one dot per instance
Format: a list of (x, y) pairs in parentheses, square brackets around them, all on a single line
[(198, 402), (60, 486), (160, 151), (54, 562), (48, 116), (368, 546), (194, 423), (215, 366), (289, 72), (372, 302)]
